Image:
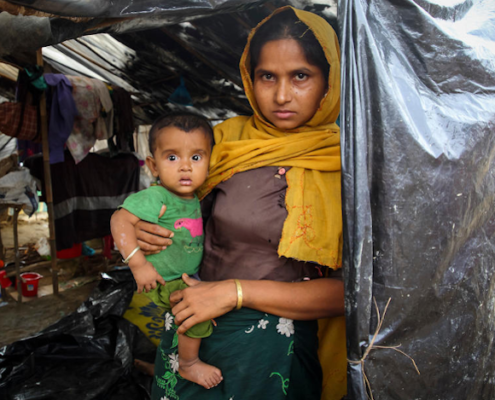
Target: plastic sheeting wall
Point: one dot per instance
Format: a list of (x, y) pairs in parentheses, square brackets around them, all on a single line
[(418, 145)]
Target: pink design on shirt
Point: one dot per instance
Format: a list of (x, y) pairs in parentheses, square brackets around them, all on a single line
[(194, 226)]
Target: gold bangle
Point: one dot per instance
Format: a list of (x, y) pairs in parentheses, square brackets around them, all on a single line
[(239, 294)]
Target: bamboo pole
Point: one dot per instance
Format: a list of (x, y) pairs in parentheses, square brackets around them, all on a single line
[(48, 181), (89, 59), (17, 257)]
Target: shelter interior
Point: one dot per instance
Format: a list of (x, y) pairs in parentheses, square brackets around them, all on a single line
[(153, 58)]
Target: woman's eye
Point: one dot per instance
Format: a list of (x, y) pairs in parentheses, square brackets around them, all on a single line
[(196, 157), (300, 76), (267, 77), (172, 158)]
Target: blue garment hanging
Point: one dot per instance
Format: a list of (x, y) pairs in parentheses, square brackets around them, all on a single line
[(181, 95)]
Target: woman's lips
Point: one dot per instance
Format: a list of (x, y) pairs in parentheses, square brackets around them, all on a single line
[(284, 114)]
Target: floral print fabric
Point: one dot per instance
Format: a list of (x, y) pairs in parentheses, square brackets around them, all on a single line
[(261, 356), (82, 137)]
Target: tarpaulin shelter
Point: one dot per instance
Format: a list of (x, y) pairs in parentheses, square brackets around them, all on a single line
[(418, 117), (418, 143)]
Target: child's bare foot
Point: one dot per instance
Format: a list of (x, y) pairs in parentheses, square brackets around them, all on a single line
[(145, 367), (201, 373)]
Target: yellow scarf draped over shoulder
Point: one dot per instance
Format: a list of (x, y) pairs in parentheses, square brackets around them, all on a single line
[(313, 228)]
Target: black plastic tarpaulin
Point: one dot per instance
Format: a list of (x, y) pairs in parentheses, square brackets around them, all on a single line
[(87, 355), (68, 19), (418, 145), (130, 8)]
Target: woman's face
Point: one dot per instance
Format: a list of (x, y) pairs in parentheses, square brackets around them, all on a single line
[(287, 88)]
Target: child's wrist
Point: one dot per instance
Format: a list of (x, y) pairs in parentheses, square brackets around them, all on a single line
[(137, 261), (131, 254)]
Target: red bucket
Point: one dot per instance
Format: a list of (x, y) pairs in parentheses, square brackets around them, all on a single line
[(29, 283)]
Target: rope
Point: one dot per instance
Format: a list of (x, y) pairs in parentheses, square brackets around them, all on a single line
[(372, 347)]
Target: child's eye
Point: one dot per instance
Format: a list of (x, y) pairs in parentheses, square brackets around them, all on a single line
[(196, 157), (172, 157)]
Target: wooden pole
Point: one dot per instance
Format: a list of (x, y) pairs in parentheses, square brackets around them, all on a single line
[(17, 257), (48, 181), (2, 251)]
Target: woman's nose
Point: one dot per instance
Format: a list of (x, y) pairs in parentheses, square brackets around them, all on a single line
[(283, 92)]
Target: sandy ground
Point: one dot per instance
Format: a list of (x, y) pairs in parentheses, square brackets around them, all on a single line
[(18, 321), (29, 230)]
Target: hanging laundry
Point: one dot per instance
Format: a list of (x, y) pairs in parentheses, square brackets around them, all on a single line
[(63, 111), (88, 104), (19, 119), (104, 123), (85, 195), (35, 76), (124, 121), (181, 95)]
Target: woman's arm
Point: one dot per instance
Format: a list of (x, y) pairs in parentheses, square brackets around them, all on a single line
[(305, 300)]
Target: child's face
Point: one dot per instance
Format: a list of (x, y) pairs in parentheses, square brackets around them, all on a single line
[(180, 160)]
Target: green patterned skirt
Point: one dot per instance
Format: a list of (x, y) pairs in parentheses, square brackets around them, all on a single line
[(261, 356)]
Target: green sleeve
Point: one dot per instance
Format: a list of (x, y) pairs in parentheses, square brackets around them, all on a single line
[(145, 205)]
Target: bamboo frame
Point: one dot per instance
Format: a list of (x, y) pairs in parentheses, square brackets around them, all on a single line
[(17, 209), (48, 181)]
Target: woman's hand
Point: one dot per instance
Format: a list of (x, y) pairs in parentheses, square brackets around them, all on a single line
[(152, 238), (202, 301)]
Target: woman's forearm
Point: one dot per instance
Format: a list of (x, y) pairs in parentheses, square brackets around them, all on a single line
[(307, 300)]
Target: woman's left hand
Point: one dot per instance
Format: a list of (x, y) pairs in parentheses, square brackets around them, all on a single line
[(202, 301)]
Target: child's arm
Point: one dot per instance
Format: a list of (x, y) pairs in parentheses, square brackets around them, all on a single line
[(122, 226)]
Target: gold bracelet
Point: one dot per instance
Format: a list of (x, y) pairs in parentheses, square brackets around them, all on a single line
[(239, 294)]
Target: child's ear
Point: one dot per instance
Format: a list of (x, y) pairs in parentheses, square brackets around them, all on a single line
[(151, 163)]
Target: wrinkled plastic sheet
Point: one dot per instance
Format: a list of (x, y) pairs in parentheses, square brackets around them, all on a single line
[(28, 33), (87, 355), (128, 8), (418, 145)]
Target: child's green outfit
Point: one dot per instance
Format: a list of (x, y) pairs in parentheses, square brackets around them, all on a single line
[(183, 217)]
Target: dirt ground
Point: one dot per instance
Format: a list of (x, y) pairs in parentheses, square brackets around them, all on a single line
[(77, 278)]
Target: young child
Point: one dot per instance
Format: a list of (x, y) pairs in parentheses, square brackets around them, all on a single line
[(180, 145)]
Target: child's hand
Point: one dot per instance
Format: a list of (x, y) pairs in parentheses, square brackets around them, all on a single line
[(146, 277)]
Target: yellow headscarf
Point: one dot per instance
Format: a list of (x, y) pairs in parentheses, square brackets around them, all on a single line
[(313, 228)]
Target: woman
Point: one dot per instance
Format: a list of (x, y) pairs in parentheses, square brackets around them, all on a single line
[(273, 227)]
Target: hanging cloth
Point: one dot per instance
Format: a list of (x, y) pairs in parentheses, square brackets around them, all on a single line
[(63, 111), (104, 123), (88, 104), (181, 95)]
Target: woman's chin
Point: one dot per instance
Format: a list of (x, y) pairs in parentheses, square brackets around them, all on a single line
[(284, 125)]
